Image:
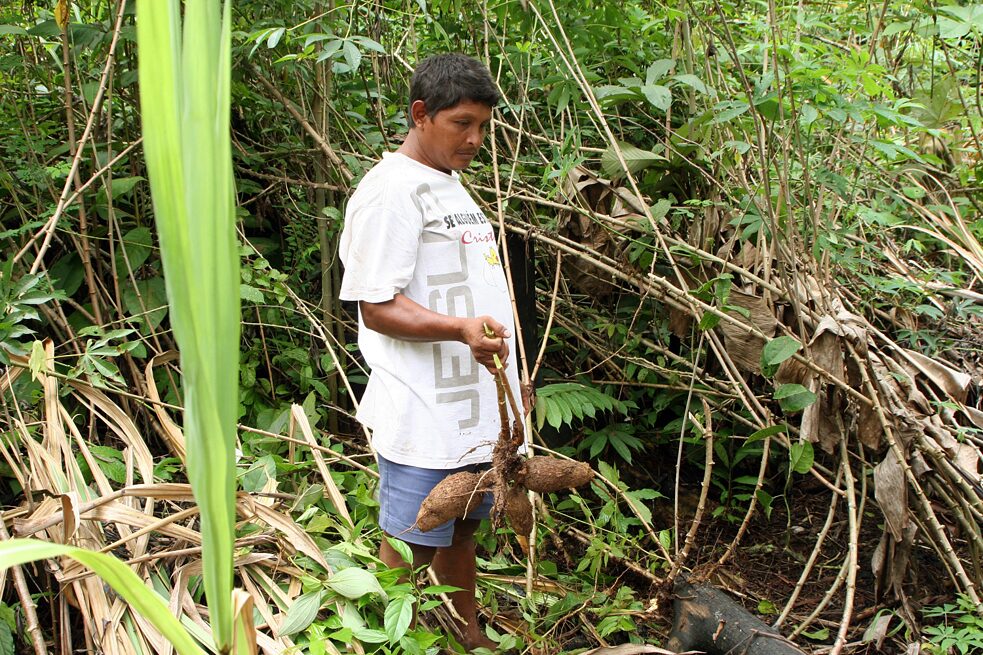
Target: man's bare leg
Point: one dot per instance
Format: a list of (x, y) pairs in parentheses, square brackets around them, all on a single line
[(455, 565)]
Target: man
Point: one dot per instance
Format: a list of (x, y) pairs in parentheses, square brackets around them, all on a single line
[(421, 260)]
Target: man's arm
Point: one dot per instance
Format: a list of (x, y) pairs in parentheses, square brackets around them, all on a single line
[(402, 318)]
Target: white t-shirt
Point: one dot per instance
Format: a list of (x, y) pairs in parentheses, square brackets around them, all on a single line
[(414, 230)]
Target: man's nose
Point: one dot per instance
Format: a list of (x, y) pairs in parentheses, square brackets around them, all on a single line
[(475, 136)]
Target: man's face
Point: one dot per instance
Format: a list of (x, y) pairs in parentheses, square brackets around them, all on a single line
[(450, 139)]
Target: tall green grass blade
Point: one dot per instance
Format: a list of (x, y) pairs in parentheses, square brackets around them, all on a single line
[(184, 91), (116, 574)]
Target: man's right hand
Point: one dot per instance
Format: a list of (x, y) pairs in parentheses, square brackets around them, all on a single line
[(484, 348)]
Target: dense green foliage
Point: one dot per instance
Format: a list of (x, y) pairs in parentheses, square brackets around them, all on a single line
[(821, 152)]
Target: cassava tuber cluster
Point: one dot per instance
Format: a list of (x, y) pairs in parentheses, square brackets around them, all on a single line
[(508, 480), (459, 494)]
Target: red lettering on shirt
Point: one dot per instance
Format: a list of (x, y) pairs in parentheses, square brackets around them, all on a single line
[(468, 237)]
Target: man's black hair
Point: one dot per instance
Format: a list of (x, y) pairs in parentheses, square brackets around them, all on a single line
[(442, 81)]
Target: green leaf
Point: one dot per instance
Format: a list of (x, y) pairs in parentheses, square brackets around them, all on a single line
[(635, 499), (6, 640), (729, 110), (250, 293), (113, 572), (794, 397), (767, 432), (766, 500), (37, 361), (124, 185), (185, 81), (301, 613), (13, 29), (778, 350), (370, 636), (274, 38), (709, 320), (658, 96), (399, 615), (353, 57), (541, 409), (801, 456), (691, 81), (135, 251), (822, 634), (147, 300), (609, 95), (964, 20), (657, 70), (635, 158), (402, 548), (354, 583)]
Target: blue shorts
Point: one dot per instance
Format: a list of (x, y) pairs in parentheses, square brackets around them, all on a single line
[(402, 489)]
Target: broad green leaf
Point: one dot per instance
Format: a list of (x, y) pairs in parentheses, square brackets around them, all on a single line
[(148, 300), (274, 39), (354, 583), (767, 432), (113, 572), (250, 293), (369, 44), (794, 397), (402, 548), (554, 416), (658, 96), (778, 350), (766, 501), (691, 81), (801, 456), (371, 636), (184, 96), (136, 249), (635, 158), (301, 613), (657, 70), (964, 20), (729, 110), (641, 510), (6, 640), (609, 94), (124, 185), (37, 361), (353, 57), (13, 29), (399, 615), (822, 634)]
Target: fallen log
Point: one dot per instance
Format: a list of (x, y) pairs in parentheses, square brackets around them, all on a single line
[(708, 620)]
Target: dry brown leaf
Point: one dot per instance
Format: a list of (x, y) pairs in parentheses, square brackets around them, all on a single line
[(954, 383), (298, 417), (891, 494), (974, 415), (175, 438), (121, 424), (968, 460), (119, 513), (55, 441), (745, 349), (242, 617), (296, 536), (70, 510)]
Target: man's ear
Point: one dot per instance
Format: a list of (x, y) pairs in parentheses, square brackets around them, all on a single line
[(418, 112)]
